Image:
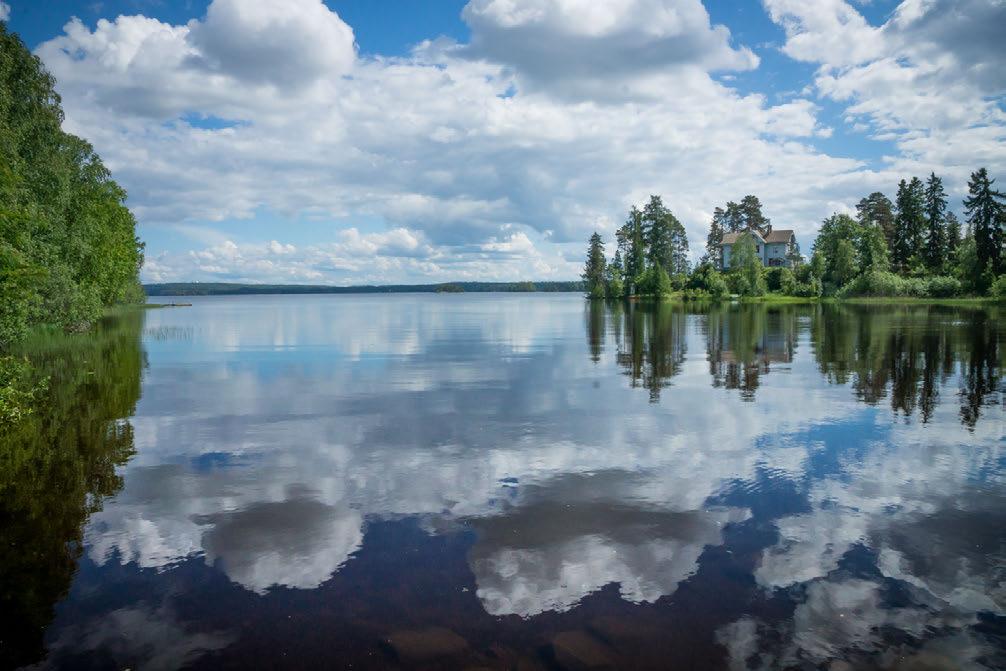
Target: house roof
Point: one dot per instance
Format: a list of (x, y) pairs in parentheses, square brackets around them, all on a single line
[(781, 235)]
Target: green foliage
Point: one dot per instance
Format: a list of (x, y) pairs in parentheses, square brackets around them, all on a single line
[(985, 213), (594, 271), (834, 250), (998, 288), (877, 283), (942, 286), (19, 390), (655, 282), (68, 246), (666, 241), (909, 224), (876, 211), (935, 251), (746, 268)]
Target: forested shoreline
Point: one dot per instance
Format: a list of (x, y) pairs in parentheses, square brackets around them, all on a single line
[(68, 245), (913, 247)]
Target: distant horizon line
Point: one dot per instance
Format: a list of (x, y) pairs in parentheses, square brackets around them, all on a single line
[(232, 288)]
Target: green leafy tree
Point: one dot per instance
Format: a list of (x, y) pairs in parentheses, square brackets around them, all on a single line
[(68, 245), (746, 266), (594, 268), (984, 209), (871, 248), (835, 249), (935, 252)]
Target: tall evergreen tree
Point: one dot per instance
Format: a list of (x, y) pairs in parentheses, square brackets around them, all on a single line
[(594, 268), (935, 251), (633, 248), (954, 236), (714, 241), (877, 210), (909, 223), (984, 209), (733, 218), (614, 276), (666, 242), (750, 208)]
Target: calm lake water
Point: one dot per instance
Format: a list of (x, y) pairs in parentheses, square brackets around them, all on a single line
[(513, 481)]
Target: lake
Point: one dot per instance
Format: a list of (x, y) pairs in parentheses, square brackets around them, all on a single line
[(512, 481)]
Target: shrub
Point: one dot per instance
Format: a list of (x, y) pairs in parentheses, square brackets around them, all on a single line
[(943, 287), (781, 279), (880, 283), (773, 278), (998, 289), (811, 289), (654, 281), (716, 285)]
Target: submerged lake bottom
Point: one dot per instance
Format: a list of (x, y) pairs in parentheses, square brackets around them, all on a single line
[(511, 481)]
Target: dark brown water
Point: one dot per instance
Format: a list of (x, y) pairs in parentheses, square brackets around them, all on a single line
[(511, 481)]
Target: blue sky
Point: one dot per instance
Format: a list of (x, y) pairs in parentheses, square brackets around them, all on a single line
[(356, 141)]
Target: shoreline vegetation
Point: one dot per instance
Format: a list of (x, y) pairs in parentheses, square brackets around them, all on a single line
[(68, 245), (911, 250)]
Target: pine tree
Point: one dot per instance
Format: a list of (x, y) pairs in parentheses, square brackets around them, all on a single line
[(909, 223), (877, 210), (733, 218), (594, 268), (936, 236), (754, 220), (984, 209)]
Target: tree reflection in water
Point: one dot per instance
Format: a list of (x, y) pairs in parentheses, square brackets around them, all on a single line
[(57, 466)]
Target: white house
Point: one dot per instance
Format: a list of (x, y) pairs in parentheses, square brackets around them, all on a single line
[(773, 248)]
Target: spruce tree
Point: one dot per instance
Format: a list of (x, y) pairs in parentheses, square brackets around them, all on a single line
[(666, 241), (631, 244), (594, 268), (935, 251), (984, 209), (714, 241), (909, 223)]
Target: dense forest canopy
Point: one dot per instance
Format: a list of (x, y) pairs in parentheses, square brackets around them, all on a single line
[(68, 245)]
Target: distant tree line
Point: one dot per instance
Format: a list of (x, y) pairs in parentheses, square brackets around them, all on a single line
[(912, 247), (68, 245), (231, 289)]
